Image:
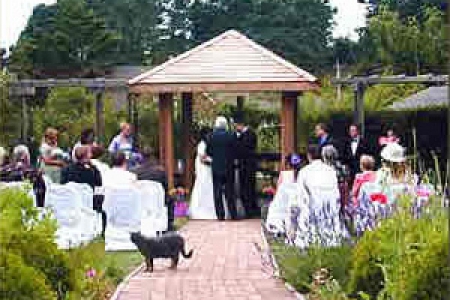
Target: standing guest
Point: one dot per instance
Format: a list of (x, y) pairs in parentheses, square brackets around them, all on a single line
[(330, 157), (389, 138), (354, 147), (323, 136), (118, 174), (87, 138), (123, 142), (246, 142), (51, 156), (367, 165), (221, 148)]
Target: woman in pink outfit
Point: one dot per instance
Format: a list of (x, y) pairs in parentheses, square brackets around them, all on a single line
[(367, 164)]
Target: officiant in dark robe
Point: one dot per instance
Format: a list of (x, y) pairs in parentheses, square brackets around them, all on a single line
[(247, 165)]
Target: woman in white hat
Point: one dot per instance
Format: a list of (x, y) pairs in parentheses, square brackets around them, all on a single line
[(395, 169)]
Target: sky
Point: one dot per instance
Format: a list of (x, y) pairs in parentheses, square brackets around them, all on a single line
[(15, 13)]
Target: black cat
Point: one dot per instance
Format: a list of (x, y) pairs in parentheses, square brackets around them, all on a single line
[(169, 245)]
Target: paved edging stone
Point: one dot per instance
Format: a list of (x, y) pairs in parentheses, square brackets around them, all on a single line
[(276, 268)]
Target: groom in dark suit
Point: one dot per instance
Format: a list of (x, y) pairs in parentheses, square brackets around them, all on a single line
[(355, 146), (247, 165), (221, 149)]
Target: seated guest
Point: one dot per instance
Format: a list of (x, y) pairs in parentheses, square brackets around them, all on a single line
[(330, 157), (278, 211), (315, 212), (20, 169), (293, 165), (82, 171), (150, 169), (118, 174), (2, 156), (367, 165), (395, 172), (97, 152)]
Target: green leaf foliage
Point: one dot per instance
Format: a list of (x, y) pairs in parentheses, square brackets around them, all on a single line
[(403, 259)]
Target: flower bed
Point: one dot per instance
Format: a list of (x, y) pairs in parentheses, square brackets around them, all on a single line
[(384, 263)]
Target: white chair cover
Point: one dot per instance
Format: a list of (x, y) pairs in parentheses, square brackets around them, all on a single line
[(87, 195), (75, 221), (278, 214), (123, 211), (154, 212)]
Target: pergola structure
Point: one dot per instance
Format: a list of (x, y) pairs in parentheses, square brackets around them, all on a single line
[(230, 62), (360, 84)]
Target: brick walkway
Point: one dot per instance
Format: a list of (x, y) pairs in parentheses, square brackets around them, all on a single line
[(226, 265)]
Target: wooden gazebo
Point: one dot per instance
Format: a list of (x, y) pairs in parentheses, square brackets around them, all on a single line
[(230, 62)]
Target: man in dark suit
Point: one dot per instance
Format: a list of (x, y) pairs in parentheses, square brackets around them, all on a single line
[(247, 165), (354, 147), (221, 148), (323, 136)]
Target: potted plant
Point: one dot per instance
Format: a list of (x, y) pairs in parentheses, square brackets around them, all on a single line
[(181, 206)]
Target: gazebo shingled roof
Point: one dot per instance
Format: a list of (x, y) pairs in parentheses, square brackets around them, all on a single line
[(228, 62)]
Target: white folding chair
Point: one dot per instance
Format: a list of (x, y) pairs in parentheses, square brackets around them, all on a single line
[(123, 211), (75, 221)]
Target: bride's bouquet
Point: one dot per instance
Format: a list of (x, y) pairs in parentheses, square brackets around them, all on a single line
[(179, 196)]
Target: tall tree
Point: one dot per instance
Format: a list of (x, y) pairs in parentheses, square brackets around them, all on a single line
[(137, 22), (299, 30), (66, 37)]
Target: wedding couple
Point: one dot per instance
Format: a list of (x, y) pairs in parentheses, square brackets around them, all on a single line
[(225, 160)]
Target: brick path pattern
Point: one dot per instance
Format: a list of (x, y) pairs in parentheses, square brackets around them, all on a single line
[(226, 265)]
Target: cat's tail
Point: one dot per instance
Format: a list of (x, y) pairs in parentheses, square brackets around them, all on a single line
[(188, 254)]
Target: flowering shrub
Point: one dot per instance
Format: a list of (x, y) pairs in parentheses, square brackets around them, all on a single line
[(179, 195)]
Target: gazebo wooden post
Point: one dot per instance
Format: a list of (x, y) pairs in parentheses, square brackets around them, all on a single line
[(188, 151), (289, 104), (166, 135)]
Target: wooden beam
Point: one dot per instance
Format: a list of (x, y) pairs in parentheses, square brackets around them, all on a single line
[(94, 83), (430, 79), (205, 87), (187, 139), (358, 112), (289, 104), (166, 135)]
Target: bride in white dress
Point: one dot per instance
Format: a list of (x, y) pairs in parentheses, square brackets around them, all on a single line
[(202, 198)]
